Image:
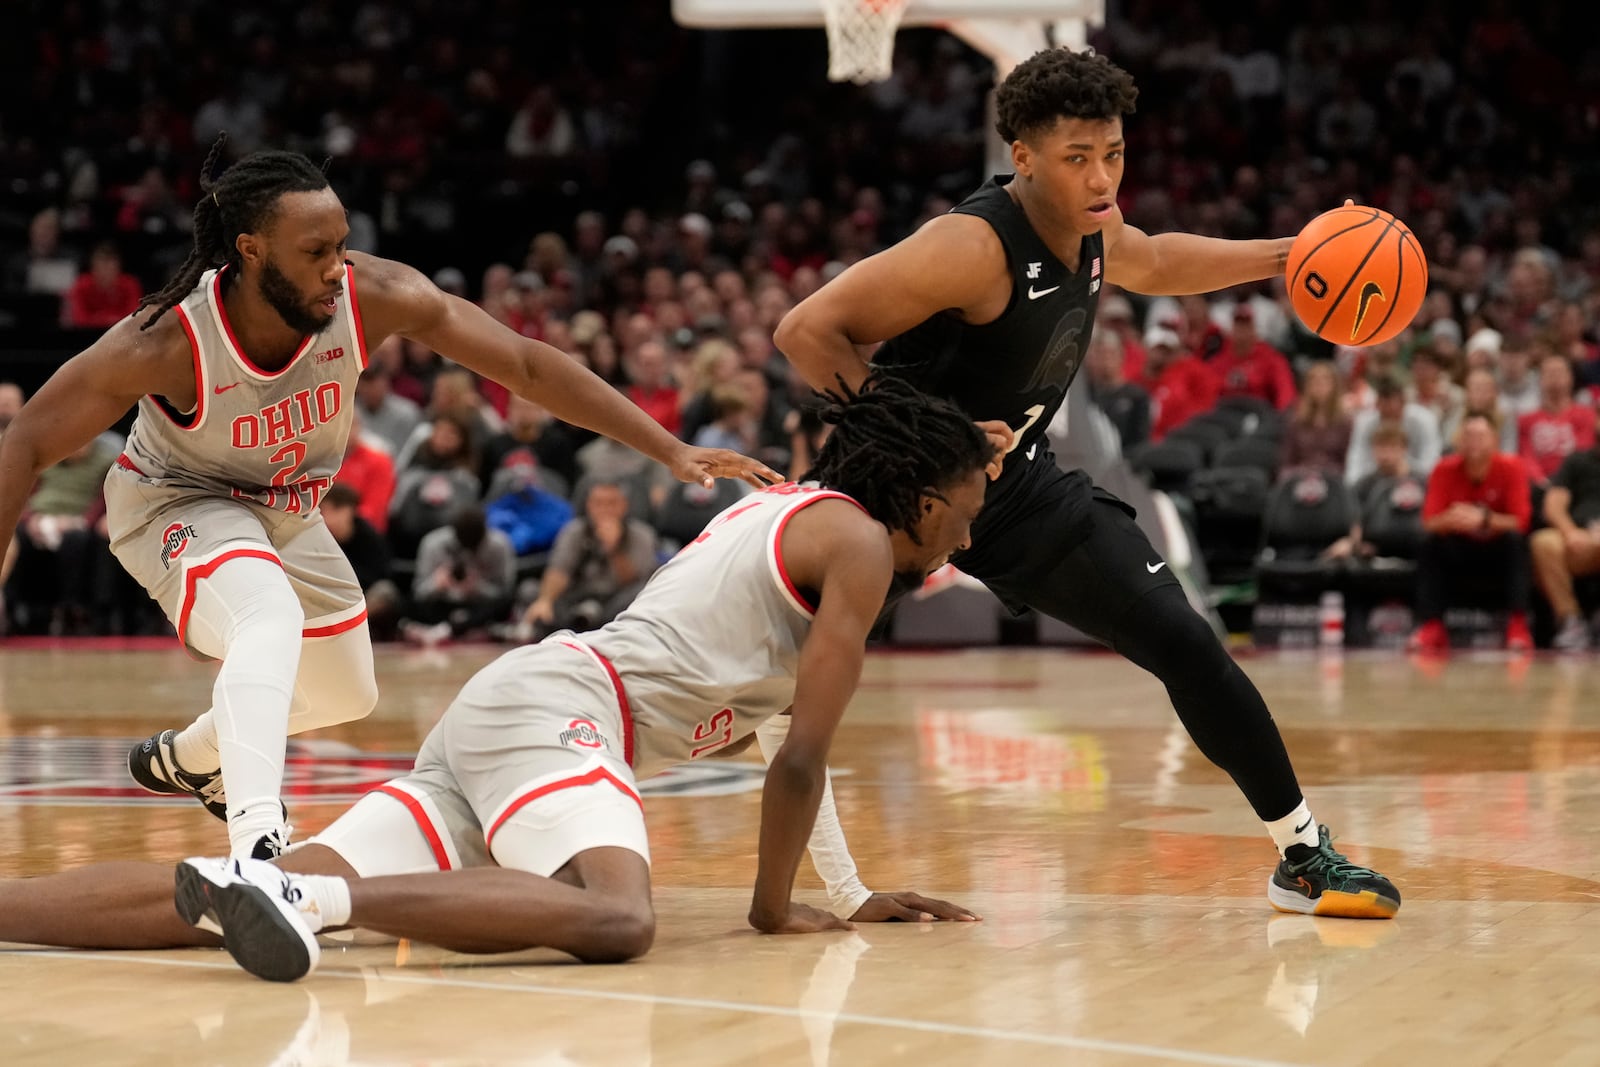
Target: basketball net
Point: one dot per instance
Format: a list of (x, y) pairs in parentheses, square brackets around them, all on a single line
[(861, 38)]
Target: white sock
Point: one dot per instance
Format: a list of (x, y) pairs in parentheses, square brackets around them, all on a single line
[(250, 821), (326, 902), (195, 747), (1295, 828)]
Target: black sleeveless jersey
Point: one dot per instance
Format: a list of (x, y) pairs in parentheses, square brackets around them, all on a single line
[(1018, 367)]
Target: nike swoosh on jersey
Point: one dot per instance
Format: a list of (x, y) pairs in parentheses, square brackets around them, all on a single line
[(1153, 567), (1034, 294), (224, 388)]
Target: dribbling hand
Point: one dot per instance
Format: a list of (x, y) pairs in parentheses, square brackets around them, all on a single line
[(1001, 436), (800, 919), (910, 908)]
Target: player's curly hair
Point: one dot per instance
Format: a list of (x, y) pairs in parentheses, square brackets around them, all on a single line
[(243, 200), (892, 445), (1060, 83)]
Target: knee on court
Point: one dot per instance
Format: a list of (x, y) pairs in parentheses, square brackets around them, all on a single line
[(621, 929)]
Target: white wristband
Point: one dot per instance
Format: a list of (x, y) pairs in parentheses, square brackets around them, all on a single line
[(830, 853)]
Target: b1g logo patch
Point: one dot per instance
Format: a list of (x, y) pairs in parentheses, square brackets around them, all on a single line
[(583, 733), (174, 539)]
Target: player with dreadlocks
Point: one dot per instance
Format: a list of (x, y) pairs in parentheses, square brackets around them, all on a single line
[(525, 793), (243, 369), (993, 307)]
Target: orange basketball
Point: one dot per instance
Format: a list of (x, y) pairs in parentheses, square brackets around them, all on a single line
[(1356, 276)]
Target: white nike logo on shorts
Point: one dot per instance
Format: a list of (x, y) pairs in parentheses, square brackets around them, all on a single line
[(1153, 567)]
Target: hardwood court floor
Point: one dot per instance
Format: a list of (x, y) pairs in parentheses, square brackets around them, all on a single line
[(1120, 875)]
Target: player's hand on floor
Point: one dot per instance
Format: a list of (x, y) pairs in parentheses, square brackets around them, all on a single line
[(910, 908), (1000, 436), (801, 919)]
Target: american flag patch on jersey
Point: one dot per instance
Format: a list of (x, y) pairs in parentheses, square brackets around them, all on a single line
[(1094, 268)]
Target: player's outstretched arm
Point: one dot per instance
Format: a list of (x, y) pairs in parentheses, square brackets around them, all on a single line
[(953, 263), (833, 548), (395, 299), (86, 397), (1177, 264)]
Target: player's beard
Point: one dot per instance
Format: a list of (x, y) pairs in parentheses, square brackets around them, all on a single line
[(290, 304)]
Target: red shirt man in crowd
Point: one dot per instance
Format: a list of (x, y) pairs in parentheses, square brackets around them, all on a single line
[(1475, 519), (1249, 366)]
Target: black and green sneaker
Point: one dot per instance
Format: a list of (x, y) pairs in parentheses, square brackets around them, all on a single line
[(1320, 881)]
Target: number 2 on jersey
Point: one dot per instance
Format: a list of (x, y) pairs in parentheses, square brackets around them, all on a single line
[(291, 456)]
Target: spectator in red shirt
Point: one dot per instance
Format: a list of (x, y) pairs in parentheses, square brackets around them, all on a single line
[(1475, 518), (1248, 366), (651, 386), (1560, 427), (103, 295), (1178, 383), (369, 470)]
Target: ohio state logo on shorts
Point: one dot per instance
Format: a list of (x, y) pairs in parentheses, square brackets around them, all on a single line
[(583, 733), (174, 539)]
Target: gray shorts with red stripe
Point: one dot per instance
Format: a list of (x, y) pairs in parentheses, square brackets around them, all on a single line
[(171, 538), (529, 766)]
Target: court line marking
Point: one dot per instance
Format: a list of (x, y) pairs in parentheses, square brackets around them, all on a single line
[(1085, 1044)]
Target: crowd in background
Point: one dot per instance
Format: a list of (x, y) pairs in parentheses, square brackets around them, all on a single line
[(652, 201)]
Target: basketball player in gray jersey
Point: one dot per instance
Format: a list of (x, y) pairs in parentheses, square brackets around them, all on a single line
[(521, 824), (244, 377)]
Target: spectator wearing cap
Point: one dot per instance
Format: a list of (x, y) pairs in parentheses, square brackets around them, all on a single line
[(1248, 366), (1116, 318), (1474, 518), (1127, 405), (692, 249), (1318, 436), (1178, 383), (1482, 349), (1559, 427), (1419, 423), (1569, 546)]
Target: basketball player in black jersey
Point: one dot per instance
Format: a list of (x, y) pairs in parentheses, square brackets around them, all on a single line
[(991, 306)]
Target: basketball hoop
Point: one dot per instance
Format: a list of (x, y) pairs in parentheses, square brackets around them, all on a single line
[(861, 38)]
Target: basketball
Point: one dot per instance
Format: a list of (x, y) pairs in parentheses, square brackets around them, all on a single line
[(1356, 275)]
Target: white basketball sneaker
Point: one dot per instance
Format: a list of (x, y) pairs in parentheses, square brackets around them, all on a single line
[(268, 921)]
